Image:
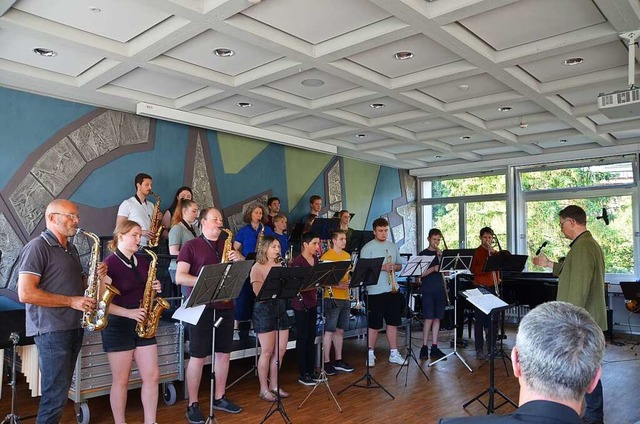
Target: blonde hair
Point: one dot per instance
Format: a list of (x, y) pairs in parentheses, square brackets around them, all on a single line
[(261, 254), (122, 229), (182, 205)]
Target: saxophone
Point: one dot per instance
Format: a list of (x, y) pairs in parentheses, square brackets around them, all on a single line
[(228, 248), (260, 237), (156, 225), (391, 275), (152, 305), (97, 319)]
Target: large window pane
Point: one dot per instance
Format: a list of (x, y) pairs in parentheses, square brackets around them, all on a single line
[(486, 214), (615, 239), (586, 176), (473, 186), (445, 217)]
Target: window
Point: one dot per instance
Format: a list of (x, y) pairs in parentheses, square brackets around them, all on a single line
[(445, 217), (577, 177)]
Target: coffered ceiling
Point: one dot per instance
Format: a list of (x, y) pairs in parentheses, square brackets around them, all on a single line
[(438, 87)]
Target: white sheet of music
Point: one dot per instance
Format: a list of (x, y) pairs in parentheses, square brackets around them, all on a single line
[(485, 302)]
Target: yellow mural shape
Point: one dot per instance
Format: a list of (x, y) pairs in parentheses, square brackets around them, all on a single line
[(237, 151), (303, 167), (360, 184)]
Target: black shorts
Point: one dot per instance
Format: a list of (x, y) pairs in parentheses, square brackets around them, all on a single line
[(433, 304), (200, 335), (120, 335), (387, 307), (265, 314)]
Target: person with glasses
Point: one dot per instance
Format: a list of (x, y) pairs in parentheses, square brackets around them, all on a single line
[(581, 282), (51, 283)]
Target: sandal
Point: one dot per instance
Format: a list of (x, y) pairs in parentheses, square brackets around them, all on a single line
[(283, 394), (267, 396)]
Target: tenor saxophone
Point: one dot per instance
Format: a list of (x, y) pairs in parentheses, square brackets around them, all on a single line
[(391, 275), (97, 319), (228, 247), (153, 306), (156, 225)]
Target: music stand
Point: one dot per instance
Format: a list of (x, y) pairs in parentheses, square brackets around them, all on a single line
[(366, 274), (325, 274), (358, 239), (280, 284), (490, 304), (414, 267), (499, 263), (453, 260), (217, 283), (323, 227)]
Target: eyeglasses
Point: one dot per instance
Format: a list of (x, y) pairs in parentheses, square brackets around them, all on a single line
[(563, 222), (69, 215)]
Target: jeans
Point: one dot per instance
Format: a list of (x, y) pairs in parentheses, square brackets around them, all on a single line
[(57, 354), (594, 413)]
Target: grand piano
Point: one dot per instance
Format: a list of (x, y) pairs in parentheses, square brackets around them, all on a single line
[(528, 288)]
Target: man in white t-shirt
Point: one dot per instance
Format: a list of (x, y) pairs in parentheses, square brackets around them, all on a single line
[(137, 208)]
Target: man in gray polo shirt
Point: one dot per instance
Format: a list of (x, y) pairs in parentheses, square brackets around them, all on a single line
[(51, 284)]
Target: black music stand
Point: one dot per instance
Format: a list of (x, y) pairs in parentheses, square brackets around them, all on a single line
[(415, 267), (323, 227), (455, 260), (495, 305), (325, 274), (217, 283), (366, 274), (281, 284)]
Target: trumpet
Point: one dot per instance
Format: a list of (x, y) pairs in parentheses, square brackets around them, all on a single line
[(391, 275)]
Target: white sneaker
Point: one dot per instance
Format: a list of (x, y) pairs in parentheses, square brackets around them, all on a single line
[(396, 358), (371, 360)]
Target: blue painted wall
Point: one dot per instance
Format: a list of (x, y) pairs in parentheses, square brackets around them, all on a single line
[(387, 188)]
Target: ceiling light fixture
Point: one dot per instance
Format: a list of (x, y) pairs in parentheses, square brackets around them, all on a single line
[(312, 82), (465, 137), (438, 157), (244, 104), (572, 61), (505, 108), (94, 9), (377, 105), (563, 141), (403, 55), (223, 52), (361, 135), (463, 87), (41, 51)]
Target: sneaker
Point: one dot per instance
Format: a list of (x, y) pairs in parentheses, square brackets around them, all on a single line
[(371, 360), (342, 366), (224, 404), (437, 353), (315, 376), (479, 355), (194, 416), (306, 380), (424, 352), (329, 369), (396, 358)]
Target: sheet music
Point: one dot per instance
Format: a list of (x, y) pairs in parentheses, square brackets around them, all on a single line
[(485, 302), (473, 293), (190, 315), (416, 263)]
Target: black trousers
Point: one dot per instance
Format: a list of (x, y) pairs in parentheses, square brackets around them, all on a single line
[(305, 339)]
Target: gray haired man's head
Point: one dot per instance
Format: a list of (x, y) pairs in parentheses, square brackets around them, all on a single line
[(560, 349)]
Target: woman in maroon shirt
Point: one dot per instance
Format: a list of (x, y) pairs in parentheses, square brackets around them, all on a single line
[(128, 273)]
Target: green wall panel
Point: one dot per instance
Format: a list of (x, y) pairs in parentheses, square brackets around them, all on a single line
[(237, 151), (303, 167), (360, 183)]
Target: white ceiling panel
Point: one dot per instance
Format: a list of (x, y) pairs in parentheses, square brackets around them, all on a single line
[(461, 140), (467, 88), (68, 61), (526, 21), (234, 104), (588, 95), (566, 142), (517, 110), (391, 106), (323, 84), (404, 148), (363, 137), (316, 21), (119, 20), (309, 124), (540, 128), (199, 51), (621, 135), (156, 83), (426, 54), (497, 150), (430, 124)]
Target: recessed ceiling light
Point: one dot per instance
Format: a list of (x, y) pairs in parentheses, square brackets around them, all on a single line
[(94, 9), (562, 141), (465, 137), (244, 104), (403, 55), (361, 135), (438, 157), (463, 87), (222, 52), (573, 61), (505, 108), (312, 82), (45, 52), (377, 105)]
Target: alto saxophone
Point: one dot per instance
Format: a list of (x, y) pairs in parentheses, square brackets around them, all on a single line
[(391, 275), (156, 225), (97, 319), (153, 306), (260, 237), (228, 247)]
